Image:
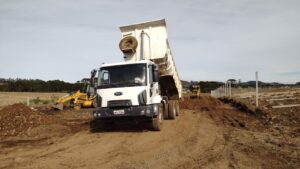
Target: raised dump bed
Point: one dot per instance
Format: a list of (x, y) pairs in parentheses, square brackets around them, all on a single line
[(152, 44)]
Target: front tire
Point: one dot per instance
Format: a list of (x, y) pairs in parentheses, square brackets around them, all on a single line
[(157, 122), (166, 110)]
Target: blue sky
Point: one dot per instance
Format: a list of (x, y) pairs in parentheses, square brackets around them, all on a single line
[(210, 40)]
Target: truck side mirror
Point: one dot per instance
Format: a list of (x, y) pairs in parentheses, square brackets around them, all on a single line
[(92, 80), (155, 74)]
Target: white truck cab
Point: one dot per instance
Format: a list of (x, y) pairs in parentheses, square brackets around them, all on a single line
[(146, 85)]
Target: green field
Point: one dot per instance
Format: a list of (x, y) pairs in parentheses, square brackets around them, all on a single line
[(8, 98)]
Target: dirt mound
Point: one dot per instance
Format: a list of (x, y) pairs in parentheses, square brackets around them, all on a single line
[(244, 108), (203, 103), (211, 134), (286, 117), (18, 118)]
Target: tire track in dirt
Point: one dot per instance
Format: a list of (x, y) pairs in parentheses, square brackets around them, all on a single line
[(208, 134), (179, 141)]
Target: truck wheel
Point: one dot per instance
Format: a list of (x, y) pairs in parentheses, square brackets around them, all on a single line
[(177, 108), (157, 122), (166, 114), (172, 109), (128, 44)]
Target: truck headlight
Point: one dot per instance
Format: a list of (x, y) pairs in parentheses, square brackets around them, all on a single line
[(155, 109)]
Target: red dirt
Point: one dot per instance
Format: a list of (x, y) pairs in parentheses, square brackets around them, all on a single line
[(207, 134), (203, 103), (20, 120), (17, 119)]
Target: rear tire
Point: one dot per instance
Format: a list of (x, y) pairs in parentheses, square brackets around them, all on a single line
[(172, 109), (157, 122), (177, 108), (166, 111)]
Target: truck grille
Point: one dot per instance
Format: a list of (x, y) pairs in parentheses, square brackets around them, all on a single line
[(119, 103)]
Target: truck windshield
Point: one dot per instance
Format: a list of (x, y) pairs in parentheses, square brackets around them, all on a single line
[(122, 76)]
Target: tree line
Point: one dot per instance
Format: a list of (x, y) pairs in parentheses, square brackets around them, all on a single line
[(37, 85)]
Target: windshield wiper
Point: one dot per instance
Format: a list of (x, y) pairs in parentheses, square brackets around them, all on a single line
[(109, 85), (133, 83)]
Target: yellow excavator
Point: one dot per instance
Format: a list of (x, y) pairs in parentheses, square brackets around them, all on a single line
[(195, 91), (81, 98)]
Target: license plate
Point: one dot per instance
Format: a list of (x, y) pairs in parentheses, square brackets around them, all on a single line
[(116, 112)]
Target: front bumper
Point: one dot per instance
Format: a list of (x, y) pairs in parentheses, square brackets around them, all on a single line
[(133, 111)]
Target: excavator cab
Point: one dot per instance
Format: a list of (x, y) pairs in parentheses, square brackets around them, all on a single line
[(88, 88)]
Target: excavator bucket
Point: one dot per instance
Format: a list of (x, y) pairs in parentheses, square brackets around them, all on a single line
[(58, 106)]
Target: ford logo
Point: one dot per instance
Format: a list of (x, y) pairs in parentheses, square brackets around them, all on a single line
[(118, 93)]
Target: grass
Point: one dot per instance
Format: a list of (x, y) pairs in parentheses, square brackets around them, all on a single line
[(37, 101), (36, 98)]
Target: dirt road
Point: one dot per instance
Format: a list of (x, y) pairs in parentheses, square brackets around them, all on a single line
[(208, 134)]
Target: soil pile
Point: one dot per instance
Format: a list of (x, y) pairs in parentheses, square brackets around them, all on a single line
[(203, 103), (18, 118), (285, 116), (207, 134)]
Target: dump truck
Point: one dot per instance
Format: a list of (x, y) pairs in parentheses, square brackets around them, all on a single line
[(146, 86)]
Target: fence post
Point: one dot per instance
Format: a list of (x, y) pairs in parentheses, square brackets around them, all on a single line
[(225, 89), (28, 101), (229, 89), (256, 76)]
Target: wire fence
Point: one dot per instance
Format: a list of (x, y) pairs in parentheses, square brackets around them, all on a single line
[(267, 97)]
